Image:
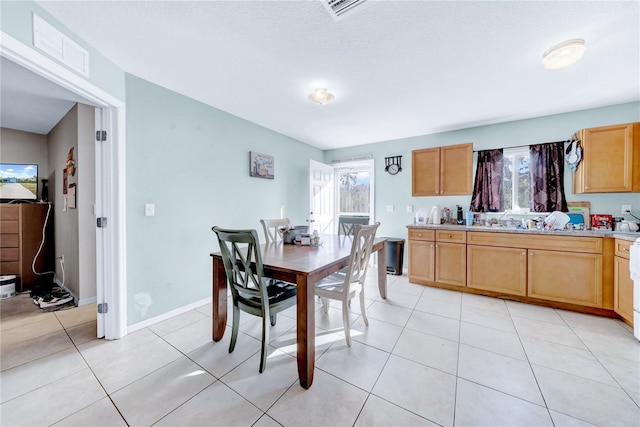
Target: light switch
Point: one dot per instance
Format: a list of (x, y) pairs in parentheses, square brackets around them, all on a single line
[(389, 208), (409, 208), (149, 209)]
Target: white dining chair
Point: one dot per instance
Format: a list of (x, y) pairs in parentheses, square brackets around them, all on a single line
[(349, 282), (271, 227)]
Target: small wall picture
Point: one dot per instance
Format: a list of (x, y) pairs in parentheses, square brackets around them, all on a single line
[(261, 165)]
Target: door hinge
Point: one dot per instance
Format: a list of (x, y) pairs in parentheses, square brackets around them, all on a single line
[(103, 308), (101, 222), (101, 135)]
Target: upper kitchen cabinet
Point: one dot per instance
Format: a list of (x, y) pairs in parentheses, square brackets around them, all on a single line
[(442, 171), (610, 160)]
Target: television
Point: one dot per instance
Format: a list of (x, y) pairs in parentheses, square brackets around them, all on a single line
[(18, 182)]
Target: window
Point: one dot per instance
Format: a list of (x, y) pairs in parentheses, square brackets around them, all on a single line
[(354, 191), (516, 180)]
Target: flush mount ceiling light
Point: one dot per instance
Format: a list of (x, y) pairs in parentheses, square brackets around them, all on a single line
[(564, 54), (320, 96)]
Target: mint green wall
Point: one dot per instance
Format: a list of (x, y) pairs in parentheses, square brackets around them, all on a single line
[(192, 161), (396, 190), (16, 19)]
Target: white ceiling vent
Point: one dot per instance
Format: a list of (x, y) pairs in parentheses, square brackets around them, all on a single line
[(53, 42), (339, 9)]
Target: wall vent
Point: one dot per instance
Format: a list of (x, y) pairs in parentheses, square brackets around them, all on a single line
[(53, 42), (338, 9)]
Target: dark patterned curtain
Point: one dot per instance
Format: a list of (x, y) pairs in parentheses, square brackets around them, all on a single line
[(487, 190), (547, 177)]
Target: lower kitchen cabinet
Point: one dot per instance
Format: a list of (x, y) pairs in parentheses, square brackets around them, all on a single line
[(451, 261), (497, 269), (421, 255), (568, 277), (622, 283)]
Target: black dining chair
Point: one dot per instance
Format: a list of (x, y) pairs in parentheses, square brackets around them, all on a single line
[(251, 291), (347, 224)]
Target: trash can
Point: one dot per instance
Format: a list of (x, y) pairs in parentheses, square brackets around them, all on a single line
[(395, 255)]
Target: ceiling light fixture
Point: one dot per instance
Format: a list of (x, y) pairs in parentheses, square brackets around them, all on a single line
[(320, 96), (564, 54)]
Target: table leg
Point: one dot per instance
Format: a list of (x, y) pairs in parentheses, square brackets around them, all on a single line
[(219, 292), (306, 330), (382, 270)]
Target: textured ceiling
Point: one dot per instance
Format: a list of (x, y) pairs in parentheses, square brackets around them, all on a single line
[(397, 68)]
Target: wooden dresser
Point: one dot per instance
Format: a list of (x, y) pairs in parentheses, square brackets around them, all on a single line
[(20, 236)]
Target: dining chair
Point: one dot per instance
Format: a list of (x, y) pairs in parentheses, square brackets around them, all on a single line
[(349, 282), (271, 227), (347, 224), (251, 291)]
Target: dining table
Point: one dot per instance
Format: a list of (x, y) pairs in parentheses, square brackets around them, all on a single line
[(304, 266)]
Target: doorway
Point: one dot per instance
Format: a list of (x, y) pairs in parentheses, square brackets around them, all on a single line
[(109, 182)]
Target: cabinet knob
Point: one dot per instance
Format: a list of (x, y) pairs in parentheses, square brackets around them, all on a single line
[(450, 236), (625, 249), (524, 253), (531, 253), (419, 234), (586, 187)]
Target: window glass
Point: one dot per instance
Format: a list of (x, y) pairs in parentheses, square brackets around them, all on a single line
[(354, 192), (517, 180)]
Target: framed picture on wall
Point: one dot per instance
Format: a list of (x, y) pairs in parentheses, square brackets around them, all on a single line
[(261, 165)]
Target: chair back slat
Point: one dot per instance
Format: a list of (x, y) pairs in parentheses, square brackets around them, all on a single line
[(347, 224), (271, 226), (356, 271)]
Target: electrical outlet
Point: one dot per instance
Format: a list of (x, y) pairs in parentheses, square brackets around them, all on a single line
[(61, 258), (149, 209), (389, 208), (626, 209)]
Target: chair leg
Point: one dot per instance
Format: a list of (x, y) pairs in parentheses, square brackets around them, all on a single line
[(234, 327), (265, 341), (325, 304), (345, 322), (363, 310), (273, 319)]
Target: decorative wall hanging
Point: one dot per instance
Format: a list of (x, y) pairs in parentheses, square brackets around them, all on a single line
[(261, 165), (71, 164), (393, 164), (71, 196)]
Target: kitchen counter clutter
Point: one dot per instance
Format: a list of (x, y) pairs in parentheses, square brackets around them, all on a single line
[(579, 270)]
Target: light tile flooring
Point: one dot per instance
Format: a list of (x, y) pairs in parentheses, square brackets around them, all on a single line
[(428, 357)]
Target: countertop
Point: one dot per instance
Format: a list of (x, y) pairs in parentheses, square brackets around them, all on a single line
[(577, 233)]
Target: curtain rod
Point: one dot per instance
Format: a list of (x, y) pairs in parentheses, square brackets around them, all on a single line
[(522, 146)]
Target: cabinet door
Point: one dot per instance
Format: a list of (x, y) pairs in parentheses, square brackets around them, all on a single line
[(565, 276), (622, 289), (607, 160), (421, 260), (451, 263), (497, 269), (456, 170), (425, 172)]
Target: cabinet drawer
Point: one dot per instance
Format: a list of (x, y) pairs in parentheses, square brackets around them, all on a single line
[(537, 241), (622, 248), (453, 236), (9, 240), (9, 254), (420, 234), (8, 212), (12, 226), (12, 267)]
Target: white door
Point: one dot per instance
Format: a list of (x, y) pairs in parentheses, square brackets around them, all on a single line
[(321, 198)]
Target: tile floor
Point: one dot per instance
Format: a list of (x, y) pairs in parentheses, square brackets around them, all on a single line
[(428, 357)]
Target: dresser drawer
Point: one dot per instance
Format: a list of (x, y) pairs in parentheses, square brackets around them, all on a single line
[(453, 236), (622, 248), (9, 226), (9, 240), (420, 234), (11, 267), (9, 254), (9, 212)]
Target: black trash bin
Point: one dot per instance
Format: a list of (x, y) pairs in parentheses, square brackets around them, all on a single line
[(395, 255)]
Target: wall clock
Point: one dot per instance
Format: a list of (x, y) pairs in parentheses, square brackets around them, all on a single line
[(393, 164)]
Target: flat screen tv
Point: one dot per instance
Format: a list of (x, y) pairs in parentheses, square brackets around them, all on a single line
[(18, 182)]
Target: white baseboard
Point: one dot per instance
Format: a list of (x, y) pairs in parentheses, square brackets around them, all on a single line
[(168, 315)]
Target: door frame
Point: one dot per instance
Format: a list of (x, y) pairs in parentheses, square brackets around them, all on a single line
[(110, 180)]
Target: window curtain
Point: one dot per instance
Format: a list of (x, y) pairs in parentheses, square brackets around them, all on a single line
[(547, 177), (487, 189)]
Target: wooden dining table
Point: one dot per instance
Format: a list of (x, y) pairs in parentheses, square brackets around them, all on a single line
[(304, 266)]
